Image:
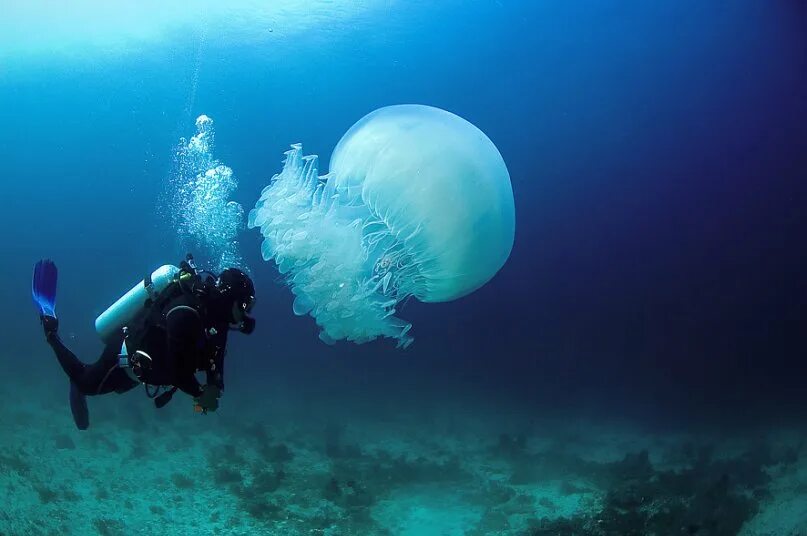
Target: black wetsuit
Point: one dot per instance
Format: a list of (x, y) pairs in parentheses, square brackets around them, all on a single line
[(184, 337)]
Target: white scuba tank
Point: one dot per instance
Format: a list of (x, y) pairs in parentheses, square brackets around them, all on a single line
[(110, 323)]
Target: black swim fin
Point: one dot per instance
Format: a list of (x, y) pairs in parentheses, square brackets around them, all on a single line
[(43, 287), (78, 405)]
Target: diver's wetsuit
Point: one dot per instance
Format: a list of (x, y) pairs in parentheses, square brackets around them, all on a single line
[(187, 338)]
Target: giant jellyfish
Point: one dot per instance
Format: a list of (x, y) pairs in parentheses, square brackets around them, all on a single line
[(418, 202)]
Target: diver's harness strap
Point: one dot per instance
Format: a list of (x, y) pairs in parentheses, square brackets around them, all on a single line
[(148, 284), (134, 364)]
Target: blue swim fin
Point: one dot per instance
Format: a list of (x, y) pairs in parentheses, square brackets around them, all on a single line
[(43, 287), (78, 405)]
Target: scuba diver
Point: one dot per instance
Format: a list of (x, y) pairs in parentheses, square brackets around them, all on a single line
[(171, 325)]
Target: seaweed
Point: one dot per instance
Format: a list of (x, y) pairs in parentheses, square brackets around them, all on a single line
[(267, 481), (256, 432), (46, 495), (63, 442), (709, 498), (14, 462), (224, 474), (332, 490), (492, 522), (263, 509), (276, 454), (182, 481), (109, 527), (225, 454)]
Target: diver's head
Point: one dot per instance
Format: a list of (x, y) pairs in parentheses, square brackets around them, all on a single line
[(237, 293)]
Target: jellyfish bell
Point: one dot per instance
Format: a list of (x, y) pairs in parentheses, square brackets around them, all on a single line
[(418, 202), (440, 185)]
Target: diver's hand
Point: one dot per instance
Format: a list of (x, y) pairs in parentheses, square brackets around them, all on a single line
[(208, 400)]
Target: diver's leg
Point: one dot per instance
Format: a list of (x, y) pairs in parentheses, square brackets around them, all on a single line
[(97, 378), (105, 376), (71, 364)]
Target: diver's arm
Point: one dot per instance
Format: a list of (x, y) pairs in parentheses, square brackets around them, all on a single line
[(189, 385), (211, 391), (215, 368), (215, 377), (185, 338)]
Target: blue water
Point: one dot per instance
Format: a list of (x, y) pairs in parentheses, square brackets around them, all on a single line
[(658, 155)]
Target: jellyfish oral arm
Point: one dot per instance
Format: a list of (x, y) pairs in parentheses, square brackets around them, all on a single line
[(417, 202), (320, 246)]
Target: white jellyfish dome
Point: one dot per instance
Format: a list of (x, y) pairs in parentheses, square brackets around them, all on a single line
[(418, 202)]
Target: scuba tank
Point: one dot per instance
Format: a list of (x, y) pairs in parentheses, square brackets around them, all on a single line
[(134, 307), (109, 324)]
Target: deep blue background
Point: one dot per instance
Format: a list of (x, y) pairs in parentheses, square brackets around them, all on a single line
[(658, 154)]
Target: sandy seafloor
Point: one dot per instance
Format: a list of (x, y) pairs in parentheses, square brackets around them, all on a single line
[(245, 471)]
